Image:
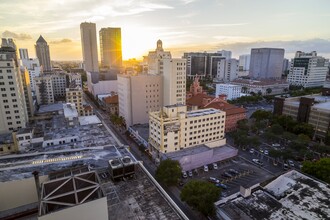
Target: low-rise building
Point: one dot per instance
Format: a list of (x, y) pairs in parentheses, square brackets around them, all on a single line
[(111, 104), (174, 128), (231, 91), (312, 109), (7, 144), (265, 86)]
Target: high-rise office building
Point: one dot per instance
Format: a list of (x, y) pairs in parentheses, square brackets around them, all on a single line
[(227, 70), (42, 51), (89, 46), (13, 111), (308, 70), (110, 45), (244, 62), (266, 63), (23, 54)]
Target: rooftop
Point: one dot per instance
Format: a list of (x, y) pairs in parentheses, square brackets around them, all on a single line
[(88, 120), (292, 195), (6, 138), (142, 129), (202, 112), (70, 110), (265, 82), (50, 108)]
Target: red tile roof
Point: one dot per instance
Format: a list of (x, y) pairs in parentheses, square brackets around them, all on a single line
[(111, 99)]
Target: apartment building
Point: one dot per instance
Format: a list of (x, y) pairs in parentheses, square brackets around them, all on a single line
[(34, 69), (76, 77), (155, 56), (74, 95), (308, 70), (138, 95), (174, 128), (13, 112), (312, 109), (59, 84)]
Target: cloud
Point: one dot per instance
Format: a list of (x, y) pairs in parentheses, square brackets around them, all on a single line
[(21, 36), (64, 40)]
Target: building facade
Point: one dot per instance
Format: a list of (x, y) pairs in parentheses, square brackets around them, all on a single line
[(59, 81), (308, 70), (110, 45), (264, 87), (154, 58), (266, 63), (89, 46), (13, 110), (27, 92), (42, 51), (225, 53), (34, 69), (227, 70), (231, 91), (23, 54), (311, 109), (244, 62), (174, 128), (138, 95), (74, 95), (44, 89)]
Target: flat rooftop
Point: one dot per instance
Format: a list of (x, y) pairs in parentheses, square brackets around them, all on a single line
[(143, 130), (292, 195), (202, 112), (89, 120), (50, 108)]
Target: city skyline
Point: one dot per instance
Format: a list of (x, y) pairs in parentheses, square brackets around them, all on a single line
[(183, 26)]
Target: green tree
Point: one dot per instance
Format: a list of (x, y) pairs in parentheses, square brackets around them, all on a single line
[(262, 115), (277, 129), (320, 169), (243, 125), (304, 128), (327, 139), (169, 172), (201, 195)]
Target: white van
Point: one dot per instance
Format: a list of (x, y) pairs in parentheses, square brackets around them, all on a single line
[(215, 166)]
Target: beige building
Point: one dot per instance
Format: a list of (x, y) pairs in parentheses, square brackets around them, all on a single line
[(138, 95), (174, 128), (44, 89), (75, 96), (174, 81), (89, 46), (13, 113), (27, 92), (8, 143), (42, 51), (59, 84), (155, 56), (76, 77)]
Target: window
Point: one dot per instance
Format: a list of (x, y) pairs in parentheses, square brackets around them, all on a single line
[(8, 71), (11, 83), (10, 77), (3, 89)]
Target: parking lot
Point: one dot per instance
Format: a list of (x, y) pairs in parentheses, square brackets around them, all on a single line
[(247, 173)]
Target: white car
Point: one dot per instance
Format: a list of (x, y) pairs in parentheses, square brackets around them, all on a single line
[(290, 162), (252, 151), (285, 166), (190, 174), (266, 152), (184, 174), (257, 161), (215, 166), (206, 168)]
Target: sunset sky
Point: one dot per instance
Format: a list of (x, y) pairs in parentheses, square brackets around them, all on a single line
[(182, 25)]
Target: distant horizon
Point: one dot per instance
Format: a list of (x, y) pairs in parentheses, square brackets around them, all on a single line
[(182, 25)]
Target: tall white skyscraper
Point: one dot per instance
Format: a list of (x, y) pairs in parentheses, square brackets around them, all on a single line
[(89, 46), (42, 51), (225, 53), (266, 63), (308, 70), (13, 111)]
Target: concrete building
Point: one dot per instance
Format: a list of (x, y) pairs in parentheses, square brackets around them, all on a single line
[(89, 46), (23, 54), (154, 58), (138, 95), (265, 87), (74, 95), (34, 69), (110, 45), (225, 53), (42, 51), (110, 104), (7, 144), (244, 62), (231, 91), (198, 99), (13, 111), (76, 77), (44, 89), (266, 63), (100, 87), (174, 81), (59, 81), (308, 70), (227, 70), (30, 103), (312, 109), (174, 128), (202, 64)]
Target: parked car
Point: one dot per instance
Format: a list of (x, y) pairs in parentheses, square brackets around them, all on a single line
[(232, 171), (261, 150), (266, 152), (276, 145), (285, 166), (251, 150), (214, 180), (221, 185), (215, 166), (257, 161), (190, 174), (290, 162), (184, 174), (206, 168), (210, 166), (195, 172)]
